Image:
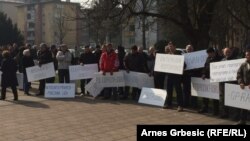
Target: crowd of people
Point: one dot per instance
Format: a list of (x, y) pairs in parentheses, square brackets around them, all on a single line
[(109, 60)]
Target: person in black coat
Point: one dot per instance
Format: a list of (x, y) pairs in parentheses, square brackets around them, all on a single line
[(27, 61), (44, 57), (9, 78)]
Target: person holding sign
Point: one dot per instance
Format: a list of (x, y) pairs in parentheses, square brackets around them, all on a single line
[(9, 78), (109, 63), (174, 81), (212, 57), (86, 58), (64, 58), (44, 57), (27, 62), (243, 78), (134, 61)]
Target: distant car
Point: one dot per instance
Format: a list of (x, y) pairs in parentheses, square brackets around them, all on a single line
[(183, 51)]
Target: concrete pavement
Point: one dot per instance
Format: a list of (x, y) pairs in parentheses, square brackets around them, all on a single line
[(34, 118)]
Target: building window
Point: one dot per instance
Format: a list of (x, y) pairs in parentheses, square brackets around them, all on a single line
[(28, 16), (131, 40), (132, 28), (31, 25)]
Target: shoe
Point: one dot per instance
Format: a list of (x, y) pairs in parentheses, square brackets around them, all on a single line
[(241, 122), (167, 107), (180, 109), (203, 110), (27, 93), (15, 99), (82, 95)]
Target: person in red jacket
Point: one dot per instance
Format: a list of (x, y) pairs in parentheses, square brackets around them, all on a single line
[(109, 63)]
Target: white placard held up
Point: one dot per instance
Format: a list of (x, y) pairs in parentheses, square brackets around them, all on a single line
[(237, 97), (203, 88), (115, 80), (20, 80), (78, 72), (93, 88), (37, 73), (169, 63), (138, 80), (152, 96), (60, 90), (225, 70), (195, 60)]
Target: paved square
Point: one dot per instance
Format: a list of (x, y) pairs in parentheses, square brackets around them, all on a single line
[(34, 118)]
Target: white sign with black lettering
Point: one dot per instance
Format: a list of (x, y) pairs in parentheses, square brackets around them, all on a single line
[(169, 63), (195, 60), (203, 88), (37, 73), (225, 70), (237, 97), (93, 88), (107, 80), (60, 90), (138, 80), (78, 72), (152, 96)]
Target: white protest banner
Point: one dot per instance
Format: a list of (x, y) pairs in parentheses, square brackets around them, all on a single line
[(87, 71), (38, 73), (225, 70), (20, 80), (93, 88), (169, 63), (115, 80), (237, 97), (203, 88), (60, 90), (195, 60), (153, 96), (138, 80)]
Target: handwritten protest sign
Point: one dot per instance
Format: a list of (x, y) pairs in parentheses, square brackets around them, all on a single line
[(115, 80), (87, 71), (138, 80), (169, 63), (152, 96), (225, 70), (237, 97), (60, 90), (195, 60), (203, 88), (93, 88), (38, 73)]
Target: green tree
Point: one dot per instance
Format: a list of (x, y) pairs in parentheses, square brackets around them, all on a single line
[(9, 31)]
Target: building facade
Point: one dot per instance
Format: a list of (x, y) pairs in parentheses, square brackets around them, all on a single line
[(9, 8), (51, 22)]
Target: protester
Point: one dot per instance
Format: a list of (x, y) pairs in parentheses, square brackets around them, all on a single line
[(9, 78), (64, 58), (86, 58), (27, 62), (109, 63), (174, 81), (212, 57), (243, 78), (44, 57)]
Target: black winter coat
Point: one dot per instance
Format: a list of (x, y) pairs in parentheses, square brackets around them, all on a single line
[(9, 68)]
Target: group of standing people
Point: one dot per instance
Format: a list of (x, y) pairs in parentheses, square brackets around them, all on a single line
[(110, 61)]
